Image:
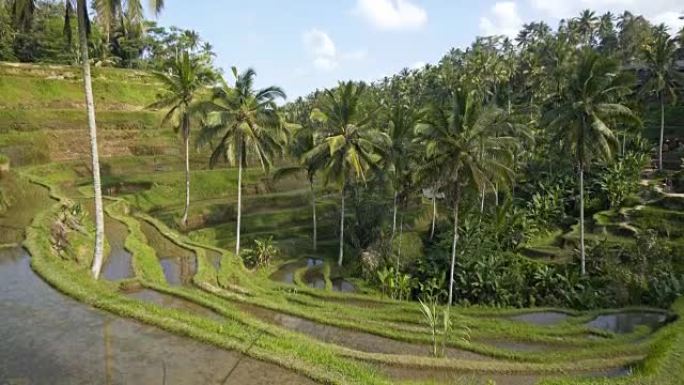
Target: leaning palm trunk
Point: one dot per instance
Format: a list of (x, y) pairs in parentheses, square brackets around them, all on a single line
[(239, 199), (313, 214), (582, 255), (339, 261), (92, 128), (662, 132), (186, 137), (453, 249)]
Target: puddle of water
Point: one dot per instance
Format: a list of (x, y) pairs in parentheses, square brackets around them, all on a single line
[(340, 284), (541, 318), (179, 264), (170, 301), (48, 338), (286, 272), (119, 264), (450, 376), (361, 341), (311, 262), (626, 322)]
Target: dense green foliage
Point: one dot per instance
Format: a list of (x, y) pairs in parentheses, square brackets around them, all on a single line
[(486, 134), (36, 33)]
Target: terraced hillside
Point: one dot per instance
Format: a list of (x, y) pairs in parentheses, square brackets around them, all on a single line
[(209, 319)]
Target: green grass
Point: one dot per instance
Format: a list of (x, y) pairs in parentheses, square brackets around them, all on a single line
[(62, 88)]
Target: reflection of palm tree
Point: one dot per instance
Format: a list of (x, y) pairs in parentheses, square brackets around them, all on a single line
[(107, 350)]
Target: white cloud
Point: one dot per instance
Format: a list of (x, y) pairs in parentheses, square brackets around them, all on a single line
[(322, 48), (658, 11), (392, 14), (503, 20), (324, 53)]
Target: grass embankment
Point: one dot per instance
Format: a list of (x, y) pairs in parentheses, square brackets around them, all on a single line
[(255, 291)]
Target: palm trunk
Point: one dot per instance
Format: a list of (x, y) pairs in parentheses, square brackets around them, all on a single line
[(394, 215), (434, 214), (453, 249), (496, 194), (92, 128), (401, 234), (662, 132), (239, 200), (482, 202), (341, 257), (582, 255), (313, 214), (186, 137)]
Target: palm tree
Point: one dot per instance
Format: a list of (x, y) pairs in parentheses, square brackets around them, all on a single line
[(350, 147), (246, 121), (454, 133), (302, 141), (660, 55), (588, 104), (83, 27), (186, 77), (585, 26)]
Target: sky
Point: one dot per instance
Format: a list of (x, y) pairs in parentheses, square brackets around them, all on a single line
[(302, 45)]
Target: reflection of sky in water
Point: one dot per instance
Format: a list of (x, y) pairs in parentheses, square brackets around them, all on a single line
[(48, 338), (626, 322), (178, 271), (118, 265)]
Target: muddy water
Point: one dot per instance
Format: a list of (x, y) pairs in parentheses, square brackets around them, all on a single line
[(455, 377), (119, 264), (361, 341), (541, 318), (48, 338), (626, 322), (179, 264)]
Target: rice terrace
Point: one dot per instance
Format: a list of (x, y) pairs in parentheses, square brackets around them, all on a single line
[(348, 192)]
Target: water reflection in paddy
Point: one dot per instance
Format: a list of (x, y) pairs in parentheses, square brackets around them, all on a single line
[(361, 341), (118, 264), (179, 264), (626, 322), (48, 338)]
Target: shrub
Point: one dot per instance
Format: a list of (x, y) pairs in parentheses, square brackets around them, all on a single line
[(261, 254)]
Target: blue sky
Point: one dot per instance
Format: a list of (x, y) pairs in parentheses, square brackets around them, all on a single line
[(302, 45)]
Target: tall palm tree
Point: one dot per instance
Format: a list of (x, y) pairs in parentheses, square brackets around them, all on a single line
[(454, 133), (302, 141), (81, 9), (185, 78), (660, 55), (247, 122), (588, 105), (351, 147), (22, 14)]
